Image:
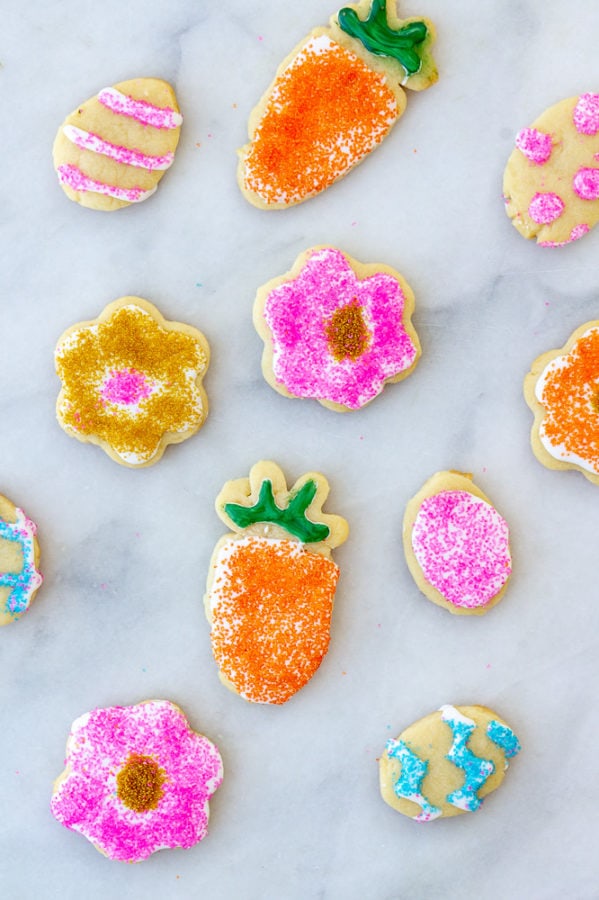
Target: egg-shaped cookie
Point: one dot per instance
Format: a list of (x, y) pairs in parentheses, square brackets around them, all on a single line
[(446, 763), (457, 545), (551, 181), (114, 148), (20, 577)]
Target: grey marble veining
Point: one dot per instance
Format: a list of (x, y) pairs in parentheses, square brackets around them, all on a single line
[(125, 553)]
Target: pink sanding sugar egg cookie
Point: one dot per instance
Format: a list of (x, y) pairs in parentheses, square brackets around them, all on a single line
[(137, 780), (457, 545), (562, 390), (551, 182), (336, 330), (113, 149)]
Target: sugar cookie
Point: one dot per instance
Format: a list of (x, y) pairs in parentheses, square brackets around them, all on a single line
[(446, 763), (551, 183), (333, 100), (457, 545), (336, 330), (271, 585), (562, 392), (19, 560), (137, 780), (132, 381), (113, 149)]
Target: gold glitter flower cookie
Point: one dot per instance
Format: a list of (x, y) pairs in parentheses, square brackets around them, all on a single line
[(132, 381)]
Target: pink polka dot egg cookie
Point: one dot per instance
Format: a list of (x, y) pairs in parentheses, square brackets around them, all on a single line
[(336, 330), (137, 779), (551, 182), (457, 545), (114, 148)]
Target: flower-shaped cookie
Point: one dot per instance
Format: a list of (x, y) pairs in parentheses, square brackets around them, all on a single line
[(137, 780), (132, 381), (562, 390), (336, 330), (551, 181)]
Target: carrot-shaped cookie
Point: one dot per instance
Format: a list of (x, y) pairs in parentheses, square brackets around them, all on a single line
[(333, 100), (271, 585)]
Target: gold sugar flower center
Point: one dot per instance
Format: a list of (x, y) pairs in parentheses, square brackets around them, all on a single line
[(139, 783), (347, 333)]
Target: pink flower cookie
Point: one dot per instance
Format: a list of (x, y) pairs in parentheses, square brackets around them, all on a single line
[(336, 330), (113, 149), (457, 545), (551, 182), (137, 780)]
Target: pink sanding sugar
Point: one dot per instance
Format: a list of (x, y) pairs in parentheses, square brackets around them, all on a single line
[(462, 546), (534, 144), (586, 114), (126, 387), (586, 183), (545, 208)]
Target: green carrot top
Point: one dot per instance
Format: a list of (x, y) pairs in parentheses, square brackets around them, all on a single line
[(407, 44), (292, 518)]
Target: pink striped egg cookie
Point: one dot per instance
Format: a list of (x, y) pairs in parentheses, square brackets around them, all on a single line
[(113, 149), (457, 545), (551, 182)]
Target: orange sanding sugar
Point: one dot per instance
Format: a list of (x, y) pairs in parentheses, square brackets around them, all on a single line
[(569, 395), (271, 604), (327, 110), (130, 341)]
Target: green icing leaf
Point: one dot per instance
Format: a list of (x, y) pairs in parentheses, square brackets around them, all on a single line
[(380, 39), (292, 518)]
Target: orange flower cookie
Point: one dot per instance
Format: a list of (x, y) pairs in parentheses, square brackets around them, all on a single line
[(132, 381), (270, 590), (19, 560), (562, 390), (333, 100), (113, 149)]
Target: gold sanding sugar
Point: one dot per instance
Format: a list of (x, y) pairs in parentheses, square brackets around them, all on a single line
[(130, 340), (347, 333), (139, 783)]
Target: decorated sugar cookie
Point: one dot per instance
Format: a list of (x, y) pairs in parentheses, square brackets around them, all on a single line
[(19, 560), (457, 545), (270, 590), (137, 780), (562, 390), (551, 183), (132, 381), (446, 763), (333, 100), (336, 330), (113, 149)]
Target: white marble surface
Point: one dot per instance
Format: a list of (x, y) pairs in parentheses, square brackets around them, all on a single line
[(125, 553)]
